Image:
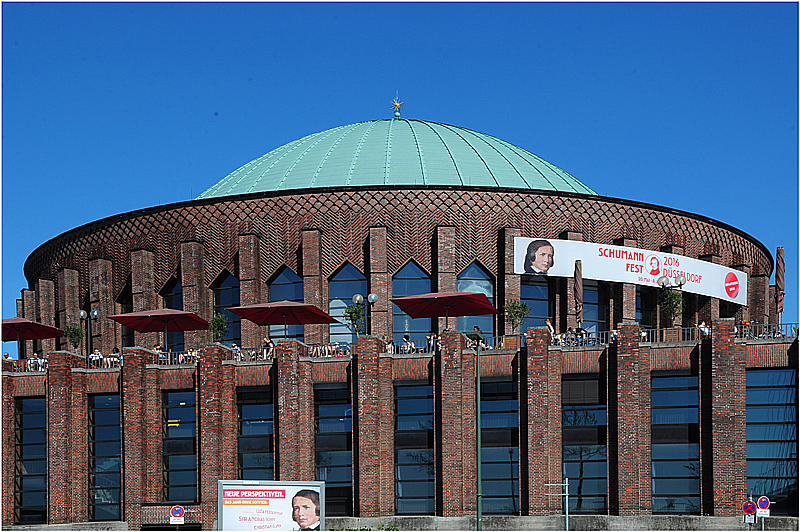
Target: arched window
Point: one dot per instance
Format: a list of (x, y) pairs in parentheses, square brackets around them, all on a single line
[(535, 291), (347, 282), (410, 281), (476, 279), (173, 298), (226, 295), (287, 286)]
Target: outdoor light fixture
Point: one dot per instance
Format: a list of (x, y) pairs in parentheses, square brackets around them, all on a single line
[(88, 316), (664, 281), (358, 299)]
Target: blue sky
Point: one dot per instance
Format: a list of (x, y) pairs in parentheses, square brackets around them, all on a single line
[(112, 107)]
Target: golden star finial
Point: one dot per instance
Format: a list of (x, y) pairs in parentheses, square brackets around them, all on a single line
[(397, 104)]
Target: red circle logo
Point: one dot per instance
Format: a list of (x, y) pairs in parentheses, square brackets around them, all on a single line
[(731, 284)]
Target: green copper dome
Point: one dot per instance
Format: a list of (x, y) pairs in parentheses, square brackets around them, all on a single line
[(396, 152)]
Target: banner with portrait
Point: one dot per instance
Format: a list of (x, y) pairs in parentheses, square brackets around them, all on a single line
[(603, 262), (270, 505)]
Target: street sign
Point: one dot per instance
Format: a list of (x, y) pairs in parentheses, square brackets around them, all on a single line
[(762, 512), (176, 515), (749, 508), (750, 518), (763, 503)]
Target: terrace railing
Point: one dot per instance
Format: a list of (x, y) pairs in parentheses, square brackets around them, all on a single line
[(765, 331)]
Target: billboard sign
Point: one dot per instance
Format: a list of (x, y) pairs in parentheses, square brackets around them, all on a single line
[(603, 262), (270, 505)]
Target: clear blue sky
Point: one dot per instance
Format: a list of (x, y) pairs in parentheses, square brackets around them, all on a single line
[(109, 108)]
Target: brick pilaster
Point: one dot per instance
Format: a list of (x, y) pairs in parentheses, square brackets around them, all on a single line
[(312, 282), (8, 439), (27, 347), (572, 308), (379, 284), (79, 443), (445, 253), (143, 291), (101, 297), (210, 426), (196, 297), (511, 290), (133, 435), (45, 310), (250, 285), (728, 409), (295, 433), (68, 304)]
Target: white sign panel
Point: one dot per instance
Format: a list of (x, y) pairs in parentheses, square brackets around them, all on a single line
[(762, 512), (620, 264), (270, 505)]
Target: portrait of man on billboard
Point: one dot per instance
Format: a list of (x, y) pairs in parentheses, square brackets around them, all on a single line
[(305, 509), (539, 258)]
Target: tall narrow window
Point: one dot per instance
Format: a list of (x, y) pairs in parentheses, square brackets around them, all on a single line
[(287, 286), (179, 420), (415, 472), (410, 281), (347, 282), (583, 421), (772, 438), (125, 301), (30, 458), (226, 295), (594, 309), (500, 446), (535, 292), (334, 446), (476, 279), (173, 298), (675, 426), (646, 307), (105, 458), (256, 433)]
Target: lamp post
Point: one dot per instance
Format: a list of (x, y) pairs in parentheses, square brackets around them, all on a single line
[(88, 316), (666, 284), (358, 299)]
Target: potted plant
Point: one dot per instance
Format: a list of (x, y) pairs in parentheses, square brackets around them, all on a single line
[(218, 326), (355, 317), (74, 334), (515, 312)]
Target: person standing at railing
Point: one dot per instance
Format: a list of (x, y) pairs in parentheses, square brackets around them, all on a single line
[(408, 345), (705, 330), (267, 348)]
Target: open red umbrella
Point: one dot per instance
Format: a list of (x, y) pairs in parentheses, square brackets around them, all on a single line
[(24, 329), (165, 319), (285, 312), (438, 304)]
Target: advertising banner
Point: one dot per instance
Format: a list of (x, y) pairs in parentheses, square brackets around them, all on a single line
[(603, 262), (270, 505)]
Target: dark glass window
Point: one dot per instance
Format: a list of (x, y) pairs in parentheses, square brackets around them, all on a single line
[(476, 279), (256, 433), (772, 438), (173, 298), (415, 473), (30, 459), (226, 295), (675, 440), (500, 446), (535, 292), (347, 282), (179, 421), (646, 304), (584, 458), (410, 281), (594, 309), (334, 446), (105, 458), (287, 286), (125, 301)]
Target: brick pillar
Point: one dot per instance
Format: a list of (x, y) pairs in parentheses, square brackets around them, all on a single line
[(455, 380), (295, 434), (134, 434), (45, 310), (758, 297), (143, 292), (380, 284), (79, 442), (745, 313), (59, 444), (312, 282), (374, 431), (708, 307), (624, 308), (572, 309), (210, 425), (8, 439), (101, 297), (543, 442), (250, 285), (196, 297), (229, 412), (68, 304), (27, 347), (511, 290), (629, 425), (728, 419), (445, 253)]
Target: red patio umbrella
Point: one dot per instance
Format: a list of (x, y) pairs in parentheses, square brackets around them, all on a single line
[(285, 312), (438, 304), (165, 319), (24, 329)]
